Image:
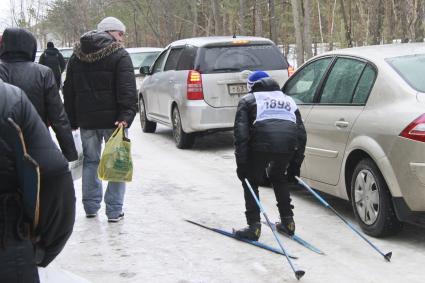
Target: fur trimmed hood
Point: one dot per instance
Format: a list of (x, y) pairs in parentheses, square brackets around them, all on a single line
[(94, 46)]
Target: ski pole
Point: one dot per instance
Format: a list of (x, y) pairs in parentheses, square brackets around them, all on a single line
[(298, 273), (387, 256)]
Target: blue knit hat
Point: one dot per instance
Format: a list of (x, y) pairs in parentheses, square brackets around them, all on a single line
[(255, 77)]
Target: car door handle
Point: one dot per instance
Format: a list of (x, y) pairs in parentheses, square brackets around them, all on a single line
[(171, 81), (341, 124)]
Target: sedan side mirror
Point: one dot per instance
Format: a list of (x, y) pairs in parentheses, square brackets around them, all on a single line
[(144, 70)]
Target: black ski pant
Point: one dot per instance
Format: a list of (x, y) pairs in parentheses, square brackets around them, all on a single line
[(276, 165)]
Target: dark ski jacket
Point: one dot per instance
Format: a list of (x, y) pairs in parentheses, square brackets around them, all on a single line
[(53, 59), (57, 196), (100, 86), (17, 53), (271, 136)]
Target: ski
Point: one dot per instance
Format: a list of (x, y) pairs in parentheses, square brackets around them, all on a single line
[(232, 235), (299, 240)]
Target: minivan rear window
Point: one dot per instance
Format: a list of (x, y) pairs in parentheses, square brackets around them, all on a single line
[(410, 68), (236, 58)]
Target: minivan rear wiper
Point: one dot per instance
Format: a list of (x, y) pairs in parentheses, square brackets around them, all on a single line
[(227, 69)]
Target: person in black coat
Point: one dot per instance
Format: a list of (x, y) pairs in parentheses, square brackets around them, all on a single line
[(266, 133), (23, 244), (53, 59), (17, 67), (99, 95)]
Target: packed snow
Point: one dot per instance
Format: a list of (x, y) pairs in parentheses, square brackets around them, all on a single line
[(154, 243)]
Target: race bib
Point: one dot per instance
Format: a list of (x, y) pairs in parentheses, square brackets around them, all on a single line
[(275, 105)]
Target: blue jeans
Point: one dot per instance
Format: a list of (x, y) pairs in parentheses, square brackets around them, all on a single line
[(92, 186)]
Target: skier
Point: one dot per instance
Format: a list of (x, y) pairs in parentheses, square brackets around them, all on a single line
[(267, 129)]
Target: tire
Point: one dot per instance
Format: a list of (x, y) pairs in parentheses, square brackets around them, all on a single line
[(147, 126), (371, 201), (182, 139)]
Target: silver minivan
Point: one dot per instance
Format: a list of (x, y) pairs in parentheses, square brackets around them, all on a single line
[(195, 84)]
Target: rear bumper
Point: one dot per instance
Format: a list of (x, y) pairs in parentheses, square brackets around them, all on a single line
[(404, 213), (197, 116), (407, 161)]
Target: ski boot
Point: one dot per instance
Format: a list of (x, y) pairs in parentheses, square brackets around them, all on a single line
[(251, 232), (286, 225)]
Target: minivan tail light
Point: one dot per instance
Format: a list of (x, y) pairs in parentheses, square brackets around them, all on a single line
[(291, 70), (194, 86), (415, 130)]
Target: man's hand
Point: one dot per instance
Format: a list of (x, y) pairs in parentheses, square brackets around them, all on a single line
[(242, 171), (292, 171), (121, 124)]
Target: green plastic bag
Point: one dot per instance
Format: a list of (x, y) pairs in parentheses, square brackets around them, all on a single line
[(116, 164)]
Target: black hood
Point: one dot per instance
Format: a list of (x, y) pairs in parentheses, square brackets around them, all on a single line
[(18, 43), (265, 84), (95, 45)]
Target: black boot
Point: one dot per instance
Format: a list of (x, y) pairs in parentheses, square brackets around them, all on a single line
[(286, 226), (251, 232)]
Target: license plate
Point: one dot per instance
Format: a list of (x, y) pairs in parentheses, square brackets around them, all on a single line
[(237, 88)]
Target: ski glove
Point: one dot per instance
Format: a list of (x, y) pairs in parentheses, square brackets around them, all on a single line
[(242, 171), (294, 168)]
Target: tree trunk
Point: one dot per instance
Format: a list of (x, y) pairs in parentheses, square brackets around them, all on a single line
[(307, 30), (376, 19), (272, 21), (418, 21), (242, 17), (400, 10), (195, 19), (331, 23), (347, 25), (298, 23), (216, 12), (258, 19), (320, 21)]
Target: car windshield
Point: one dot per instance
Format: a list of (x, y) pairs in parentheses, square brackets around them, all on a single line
[(66, 53), (143, 58), (236, 58), (410, 69)]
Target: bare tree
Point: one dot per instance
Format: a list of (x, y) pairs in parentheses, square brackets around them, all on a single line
[(347, 24), (272, 21), (242, 16), (258, 19), (307, 45), (418, 27), (298, 23), (376, 19)]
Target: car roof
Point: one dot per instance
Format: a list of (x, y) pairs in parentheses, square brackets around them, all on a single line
[(381, 52), (202, 41), (143, 49)]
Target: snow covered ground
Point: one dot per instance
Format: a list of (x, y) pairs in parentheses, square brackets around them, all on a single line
[(154, 243)]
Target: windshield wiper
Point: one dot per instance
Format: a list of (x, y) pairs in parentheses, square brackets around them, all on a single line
[(227, 69)]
